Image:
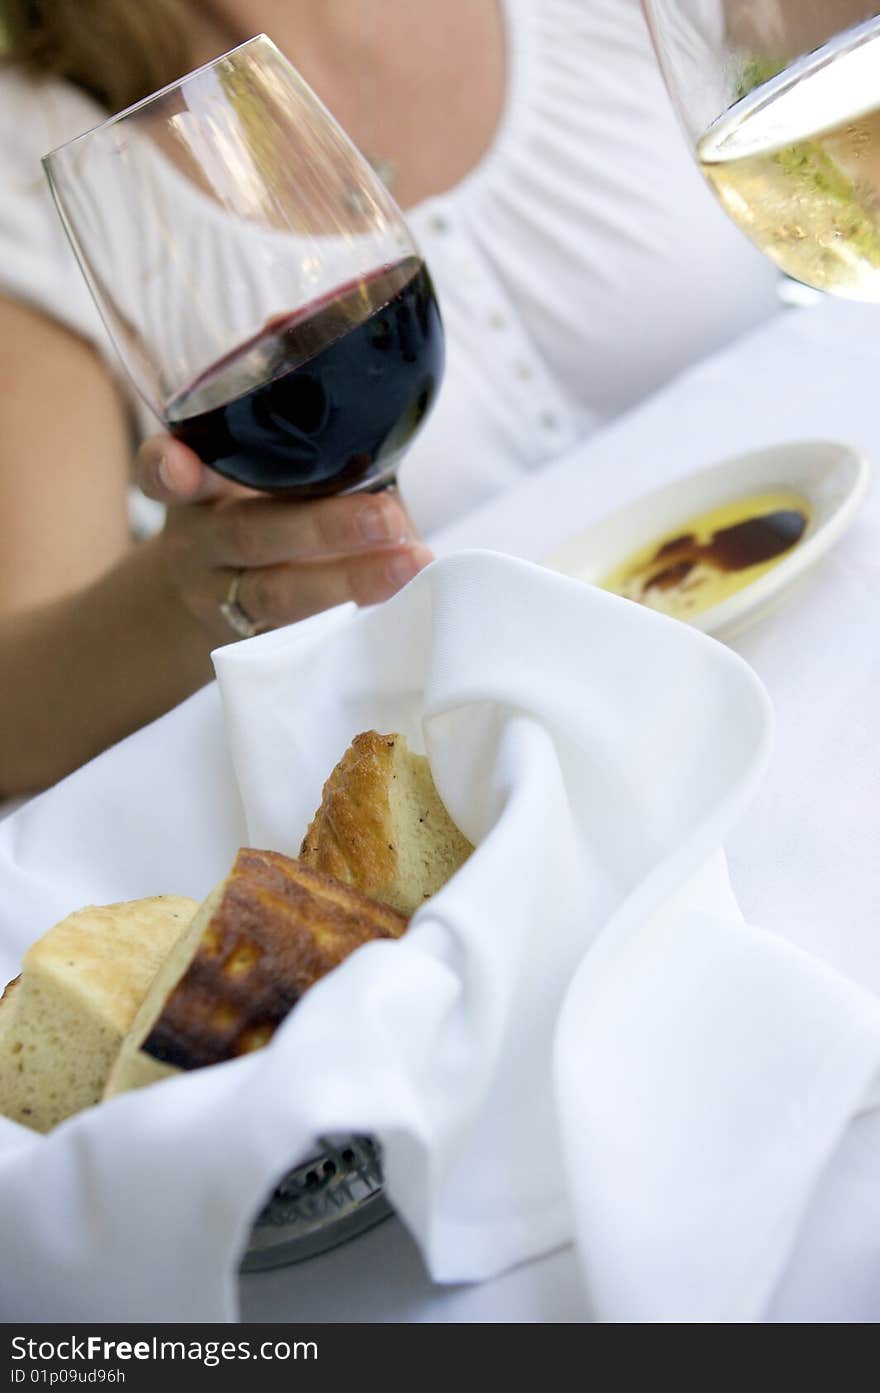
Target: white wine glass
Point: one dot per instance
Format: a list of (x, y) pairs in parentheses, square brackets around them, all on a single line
[(780, 101), (259, 282)]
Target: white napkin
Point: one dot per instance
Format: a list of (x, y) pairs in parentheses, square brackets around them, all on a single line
[(577, 1038)]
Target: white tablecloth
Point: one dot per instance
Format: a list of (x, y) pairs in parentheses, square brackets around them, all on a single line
[(805, 862)]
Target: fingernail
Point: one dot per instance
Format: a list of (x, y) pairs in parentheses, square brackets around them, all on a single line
[(165, 474), (379, 523), (407, 564)]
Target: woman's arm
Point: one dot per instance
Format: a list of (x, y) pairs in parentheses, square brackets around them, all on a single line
[(97, 636), (80, 672), (64, 441)]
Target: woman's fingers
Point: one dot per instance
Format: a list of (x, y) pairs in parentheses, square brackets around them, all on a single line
[(277, 595), (253, 529), (291, 559), (266, 532), (272, 596), (171, 473)]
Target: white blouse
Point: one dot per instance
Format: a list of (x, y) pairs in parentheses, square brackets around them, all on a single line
[(580, 265)]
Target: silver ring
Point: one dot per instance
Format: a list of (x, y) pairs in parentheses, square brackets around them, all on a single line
[(238, 619)]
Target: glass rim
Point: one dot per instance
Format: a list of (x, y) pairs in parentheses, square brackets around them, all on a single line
[(157, 95)]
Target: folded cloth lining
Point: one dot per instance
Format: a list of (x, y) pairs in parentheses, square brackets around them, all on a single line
[(768, 1105)]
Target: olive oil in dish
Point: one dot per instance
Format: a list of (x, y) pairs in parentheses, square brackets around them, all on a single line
[(710, 557)]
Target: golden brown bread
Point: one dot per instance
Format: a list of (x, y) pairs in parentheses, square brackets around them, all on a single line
[(261, 939), (6, 994), (382, 827), (6, 1011)]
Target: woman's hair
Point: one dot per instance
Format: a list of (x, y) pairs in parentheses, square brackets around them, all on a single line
[(116, 50)]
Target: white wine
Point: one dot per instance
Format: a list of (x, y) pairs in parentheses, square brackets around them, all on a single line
[(796, 163)]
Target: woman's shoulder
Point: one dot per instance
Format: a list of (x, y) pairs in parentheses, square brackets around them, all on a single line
[(37, 114), (36, 264)]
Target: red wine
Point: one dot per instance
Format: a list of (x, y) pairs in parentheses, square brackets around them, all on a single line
[(324, 399)]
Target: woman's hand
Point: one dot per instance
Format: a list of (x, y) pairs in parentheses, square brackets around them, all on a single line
[(293, 558)]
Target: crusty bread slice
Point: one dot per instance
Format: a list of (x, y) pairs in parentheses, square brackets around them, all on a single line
[(79, 991), (260, 940), (6, 999), (9, 990), (382, 827), (7, 1008)]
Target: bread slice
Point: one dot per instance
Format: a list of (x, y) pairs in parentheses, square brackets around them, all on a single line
[(9, 990), (7, 996), (79, 991), (382, 827), (260, 940)]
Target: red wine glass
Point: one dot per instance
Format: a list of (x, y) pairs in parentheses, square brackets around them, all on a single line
[(257, 279)]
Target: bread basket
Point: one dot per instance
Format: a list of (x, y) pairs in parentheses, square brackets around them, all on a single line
[(323, 1202)]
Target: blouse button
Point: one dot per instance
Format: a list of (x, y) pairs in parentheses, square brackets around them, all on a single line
[(438, 223), (549, 420), (523, 371), (497, 320)]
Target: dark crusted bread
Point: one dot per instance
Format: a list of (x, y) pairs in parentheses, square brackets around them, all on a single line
[(382, 827), (260, 940)]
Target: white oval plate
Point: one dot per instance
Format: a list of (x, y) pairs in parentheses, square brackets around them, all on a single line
[(832, 478)]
